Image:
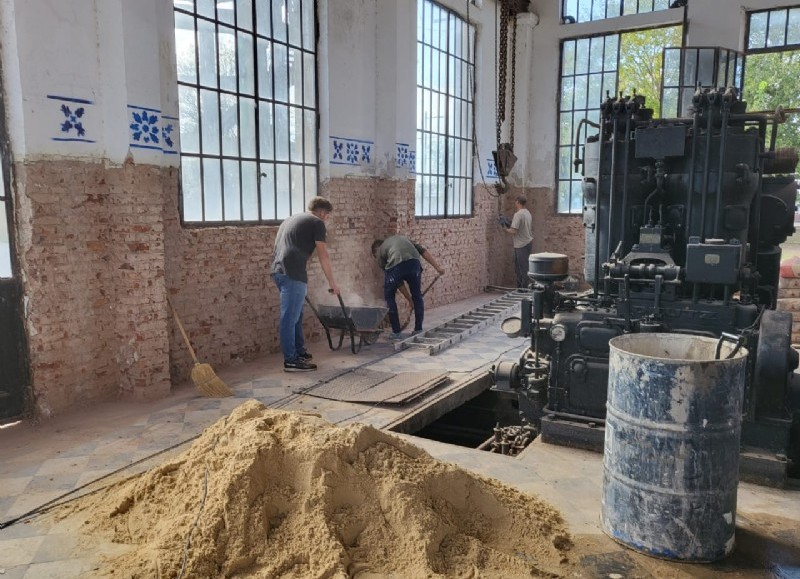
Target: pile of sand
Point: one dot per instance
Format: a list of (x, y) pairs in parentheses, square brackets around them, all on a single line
[(282, 494)]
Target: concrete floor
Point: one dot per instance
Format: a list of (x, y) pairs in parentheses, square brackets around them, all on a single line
[(40, 462)]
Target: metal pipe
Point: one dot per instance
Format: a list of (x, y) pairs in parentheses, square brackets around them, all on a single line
[(721, 171), (704, 189), (690, 188), (612, 185), (623, 221)]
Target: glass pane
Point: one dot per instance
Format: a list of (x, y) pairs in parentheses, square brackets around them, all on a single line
[(247, 118), (187, 105), (230, 125), (565, 162), (295, 76), (309, 42), (595, 91), (205, 7), (582, 56), (233, 206), (776, 35), (310, 137), (281, 73), (669, 107), (596, 54), (576, 198), (185, 48), (298, 196), (244, 14), (565, 128), (249, 191), (212, 190), (296, 134), (581, 88), (584, 10), (5, 243), (279, 20), (609, 84), (227, 59), (629, 7), (293, 18), (225, 12), (191, 189), (283, 191), (281, 133), (311, 182), (672, 65), (209, 104), (690, 67), (246, 69), (794, 27), (705, 67), (208, 53), (612, 52), (570, 9), (266, 131), (567, 92), (268, 199), (309, 80), (563, 196), (758, 30), (263, 25), (614, 8), (264, 69)]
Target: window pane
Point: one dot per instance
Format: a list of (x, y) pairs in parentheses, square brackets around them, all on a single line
[(230, 125), (247, 116), (758, 30), (212, 190), (279, 21), (266, 133), (296, 134), (5, 244), (298, 195), (192, 189), (268, 196), (249, 191), (246, 68), (295, 76), (311, 182), (283, 191), (282, 133), (233, 206), (309, 136), (187, 105), (185, 48), (209, 103), (776, 35), (263, 19), (281, 64), (309, 80), (793, 28), (265, 69), (308, 26), (208, 53), (244, 14), (294, 25)]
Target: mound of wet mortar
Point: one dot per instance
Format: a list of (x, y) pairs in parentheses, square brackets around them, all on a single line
[(265, 493)]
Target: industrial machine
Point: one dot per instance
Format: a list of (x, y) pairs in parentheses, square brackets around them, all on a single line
[(683, 221)]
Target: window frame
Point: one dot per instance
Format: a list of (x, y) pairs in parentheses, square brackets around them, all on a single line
[(306, 105), (574, 19), (447, 197), (786, 46)]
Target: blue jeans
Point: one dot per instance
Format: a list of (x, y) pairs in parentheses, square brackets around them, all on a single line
[(410, 272), (293, 293)]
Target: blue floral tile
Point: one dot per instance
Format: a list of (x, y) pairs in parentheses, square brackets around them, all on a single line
[(73, 116), (402, 155), (144, 128), (169, 134), (412, 162), (345, 151), (491, 169)]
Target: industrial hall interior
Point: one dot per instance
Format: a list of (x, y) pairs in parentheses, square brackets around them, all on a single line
[(327, 289)]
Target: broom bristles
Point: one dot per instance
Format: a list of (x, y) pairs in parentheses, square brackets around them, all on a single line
[(208, 382)]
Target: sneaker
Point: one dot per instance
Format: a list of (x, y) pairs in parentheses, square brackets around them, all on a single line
[(299, 365), (396, 336), (304, 356), (415, 332)]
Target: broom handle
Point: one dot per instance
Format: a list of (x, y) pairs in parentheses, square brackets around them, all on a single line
[(183, 332)]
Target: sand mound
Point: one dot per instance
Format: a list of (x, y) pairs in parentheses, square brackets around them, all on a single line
[(289, 495)]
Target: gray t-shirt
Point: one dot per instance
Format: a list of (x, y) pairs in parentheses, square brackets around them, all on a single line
[(397, 249), (297, 238), (523, 223)]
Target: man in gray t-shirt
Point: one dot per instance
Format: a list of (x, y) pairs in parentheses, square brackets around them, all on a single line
[(521, 229)]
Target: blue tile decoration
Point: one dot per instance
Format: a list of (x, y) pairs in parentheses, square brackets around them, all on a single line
[(346, 151), (412, 162), (401, 158), (145, 128), (169, 130), (72, 119), (491, 169)]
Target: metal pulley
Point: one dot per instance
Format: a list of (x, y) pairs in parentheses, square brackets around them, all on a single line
[(504, 160)]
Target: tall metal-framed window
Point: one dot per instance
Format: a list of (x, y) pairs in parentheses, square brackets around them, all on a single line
[(573, 11), (588, 72), (777, 29), (445, 112), (772, 71), (248, 109)]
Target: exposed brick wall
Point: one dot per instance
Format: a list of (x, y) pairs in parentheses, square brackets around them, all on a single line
[(92, 259), (102, 247), (556, 233)]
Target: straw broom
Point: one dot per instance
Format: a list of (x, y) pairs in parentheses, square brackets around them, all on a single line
[(203, 376)]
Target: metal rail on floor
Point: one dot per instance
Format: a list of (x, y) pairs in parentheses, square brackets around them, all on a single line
[(452, 331)]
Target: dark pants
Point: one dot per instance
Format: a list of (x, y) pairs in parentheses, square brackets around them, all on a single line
[(521, 255), (410, 272)]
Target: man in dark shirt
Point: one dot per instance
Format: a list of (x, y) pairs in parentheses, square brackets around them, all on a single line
[(399, 257), (298, 237)]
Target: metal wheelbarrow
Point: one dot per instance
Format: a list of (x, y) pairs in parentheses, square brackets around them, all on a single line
[(362, 321)]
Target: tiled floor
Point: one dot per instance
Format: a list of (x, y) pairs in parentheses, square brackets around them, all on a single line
[(40, 462)]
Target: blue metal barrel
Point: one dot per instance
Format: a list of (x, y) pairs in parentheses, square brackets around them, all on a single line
[(671, 457)]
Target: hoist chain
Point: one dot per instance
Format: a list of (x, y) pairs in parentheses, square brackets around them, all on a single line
[(502, 68), (513, 75)]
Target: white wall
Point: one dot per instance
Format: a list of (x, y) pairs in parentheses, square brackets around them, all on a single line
[(74, 72)]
